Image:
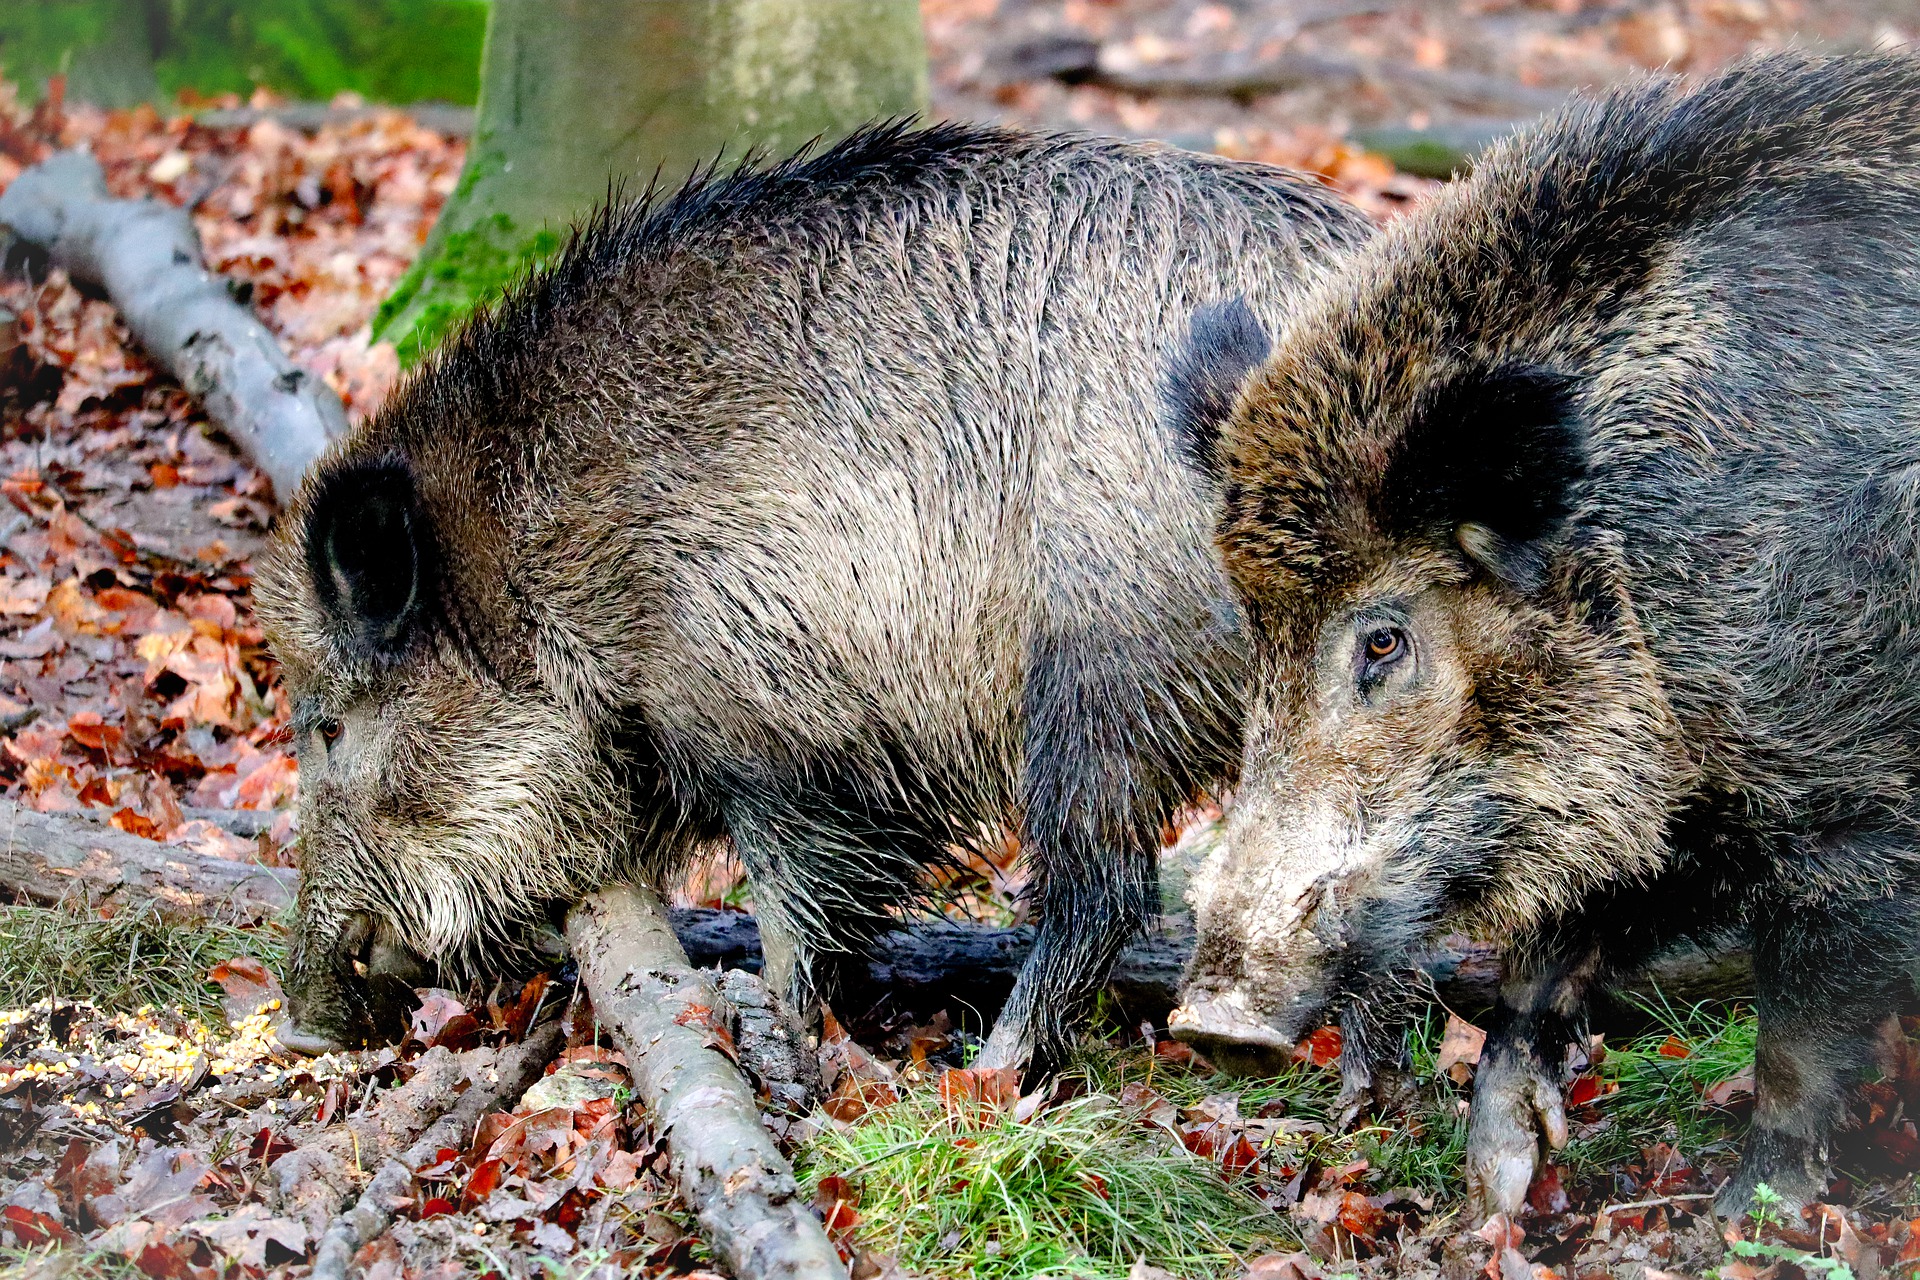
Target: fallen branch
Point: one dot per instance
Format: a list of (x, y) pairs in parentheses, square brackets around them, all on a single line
[(1244, 78), (663, 1013), (937, 964), (146, 256), (517, 1069), (944, 965), (50, 858)]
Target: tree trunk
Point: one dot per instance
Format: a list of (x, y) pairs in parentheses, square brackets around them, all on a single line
[(576, 95)]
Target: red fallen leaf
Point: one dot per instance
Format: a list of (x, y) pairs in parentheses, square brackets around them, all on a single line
[(854, 1097), (1675, 1047), (459, 1033), (1200, 1139), (483, 1183), (518, 1016), (1360, 1216), (31, 1227), (570, 1209), (268, 1146), (95, 793), (1546, 1195), (1501, 1232), (1239, 1157), (249, 986), (1095, 1183), (968, 1090), (1584, 1090), (164, 475), (1726, 1091), (133, 823), (163, 1262), (1910, 1251), (435, 1011), (1322, 1048), (840, 1218), (1175, 1051), (435, 1207)]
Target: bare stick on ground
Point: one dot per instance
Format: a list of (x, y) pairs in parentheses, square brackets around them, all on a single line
[(660, 1009), (48, 858), (518, 1068), (146, 256)]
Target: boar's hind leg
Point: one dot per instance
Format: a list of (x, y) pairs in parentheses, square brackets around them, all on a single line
[(826, 870), (1827, 975)]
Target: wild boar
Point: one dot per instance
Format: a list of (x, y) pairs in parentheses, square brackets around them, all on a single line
[(832, 508), (1576, 522)]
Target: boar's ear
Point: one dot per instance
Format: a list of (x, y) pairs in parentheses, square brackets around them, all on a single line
[(1224, 344), (1490, 462), (369, 549)]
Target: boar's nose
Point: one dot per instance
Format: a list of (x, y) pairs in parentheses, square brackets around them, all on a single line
[(1238, 1043), (332, 1006)]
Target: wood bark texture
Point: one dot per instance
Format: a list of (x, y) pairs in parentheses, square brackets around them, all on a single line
[(146, 256), (661, 1012), (50, 857)]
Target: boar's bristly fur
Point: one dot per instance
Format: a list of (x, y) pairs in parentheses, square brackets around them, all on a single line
[(834, 508), (1577, 525)]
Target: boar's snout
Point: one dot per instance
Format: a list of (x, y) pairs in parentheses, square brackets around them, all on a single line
[(1230, 1037), (349, 987)]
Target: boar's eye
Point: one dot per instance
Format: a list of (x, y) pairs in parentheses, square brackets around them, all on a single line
[(1381, 649), (330, 732)]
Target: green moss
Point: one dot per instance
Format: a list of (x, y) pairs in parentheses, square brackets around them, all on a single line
[(386, 50), (459, 272)]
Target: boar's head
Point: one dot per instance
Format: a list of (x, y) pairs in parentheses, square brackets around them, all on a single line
[(447, 794), (1455, 722)]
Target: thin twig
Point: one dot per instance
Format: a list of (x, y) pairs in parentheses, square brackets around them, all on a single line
[(1658, 1201)]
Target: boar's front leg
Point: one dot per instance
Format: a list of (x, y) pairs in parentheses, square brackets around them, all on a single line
[(1517, 1086), (1826, 975), (1093, 810)]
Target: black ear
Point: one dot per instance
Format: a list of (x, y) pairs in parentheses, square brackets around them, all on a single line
[(1225, 343), (370, 551), (1490, 461)]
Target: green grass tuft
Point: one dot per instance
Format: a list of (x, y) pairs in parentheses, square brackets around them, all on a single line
[(1660, 1096), (1081, 1190), (138, 957)]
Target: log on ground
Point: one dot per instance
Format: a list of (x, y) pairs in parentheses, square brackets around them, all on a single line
[(663, 1012), (49, 858), (146, 256)]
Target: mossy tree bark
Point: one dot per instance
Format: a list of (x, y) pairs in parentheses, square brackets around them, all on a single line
[(579, 95)]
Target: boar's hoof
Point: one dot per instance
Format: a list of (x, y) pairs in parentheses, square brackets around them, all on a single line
[(1516, 1100), (1790, 1167), (772, 1046), (1235, 1043)]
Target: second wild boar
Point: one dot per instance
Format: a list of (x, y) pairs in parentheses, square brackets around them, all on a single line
[(1577, 526)]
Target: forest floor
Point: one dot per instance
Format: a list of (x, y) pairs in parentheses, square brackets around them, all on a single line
[(148, 1122)]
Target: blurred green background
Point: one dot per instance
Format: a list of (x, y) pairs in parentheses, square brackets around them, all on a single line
[(119, 52)]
